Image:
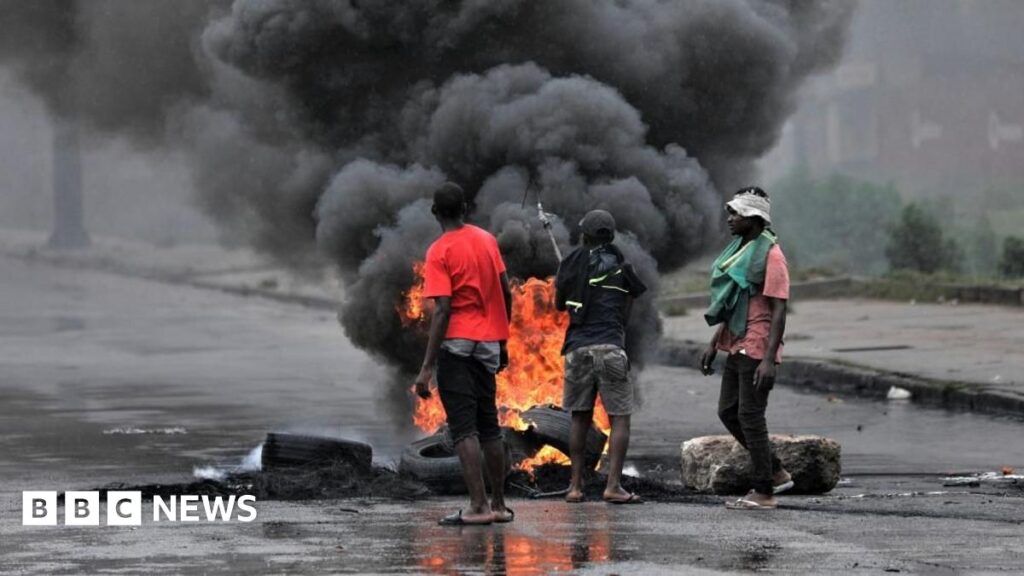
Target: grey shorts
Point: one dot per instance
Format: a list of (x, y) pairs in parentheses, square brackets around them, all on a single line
[(599, 369)]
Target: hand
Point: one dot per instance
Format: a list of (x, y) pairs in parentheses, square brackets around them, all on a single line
[(503, 357), (706, 359), (764, 376), (423, 382)]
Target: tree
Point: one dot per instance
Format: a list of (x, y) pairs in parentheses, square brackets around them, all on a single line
[(838, 223), (917, 242), (984, 246), (1012, 263)]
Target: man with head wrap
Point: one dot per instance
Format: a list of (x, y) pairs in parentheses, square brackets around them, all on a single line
[(597, 286), (749, 290)]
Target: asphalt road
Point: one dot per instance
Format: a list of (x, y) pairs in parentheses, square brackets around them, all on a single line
[(105, 379)]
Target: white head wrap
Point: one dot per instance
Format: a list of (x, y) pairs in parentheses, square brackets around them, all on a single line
[(748, 205)]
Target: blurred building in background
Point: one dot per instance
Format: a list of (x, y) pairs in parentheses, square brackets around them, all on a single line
[(930, 97)]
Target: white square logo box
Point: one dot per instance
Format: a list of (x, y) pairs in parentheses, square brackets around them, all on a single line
[(38, 508)]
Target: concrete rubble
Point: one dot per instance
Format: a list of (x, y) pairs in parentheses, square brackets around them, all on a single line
[(720, 465)]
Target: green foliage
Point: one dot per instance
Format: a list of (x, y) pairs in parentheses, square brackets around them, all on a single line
[(936, 287), (1002, 198), (917, 242), (907, 285), (674, 308), (838, 224), (1007, 222), (984, 246), (1012, 263)]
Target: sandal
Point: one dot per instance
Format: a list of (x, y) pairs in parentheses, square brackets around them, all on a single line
[(744, 504), (632, 499), (503, 519), (456, 519)]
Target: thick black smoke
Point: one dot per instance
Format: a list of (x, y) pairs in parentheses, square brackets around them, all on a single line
[(318, 128), (117, 66)]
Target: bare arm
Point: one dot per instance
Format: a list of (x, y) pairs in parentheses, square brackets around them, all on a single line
[(764, 376), (438, 327), (716, 336), (778, 329), (708, 357)]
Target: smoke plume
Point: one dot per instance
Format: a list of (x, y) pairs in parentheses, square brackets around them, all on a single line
[(317, 129)]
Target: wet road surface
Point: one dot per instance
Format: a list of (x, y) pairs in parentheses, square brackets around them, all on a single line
[(105, 379)]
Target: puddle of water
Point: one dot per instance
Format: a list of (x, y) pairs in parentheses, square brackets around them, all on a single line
[(572, 540)]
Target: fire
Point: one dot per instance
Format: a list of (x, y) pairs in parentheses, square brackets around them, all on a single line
[(546, 455), (413, 308), (534, 374)]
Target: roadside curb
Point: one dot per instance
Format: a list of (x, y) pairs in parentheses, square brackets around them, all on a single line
[(822, 375), (811, 289), (836, 376), (180, 278), (849, 286)]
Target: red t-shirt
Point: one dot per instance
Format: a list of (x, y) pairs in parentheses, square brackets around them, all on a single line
[(759, 314), (466, 265)]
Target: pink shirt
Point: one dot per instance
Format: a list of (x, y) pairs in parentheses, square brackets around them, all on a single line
[(759, 313)]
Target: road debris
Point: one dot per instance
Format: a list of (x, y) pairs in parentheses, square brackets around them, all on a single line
[(992, 478), (897, 393)]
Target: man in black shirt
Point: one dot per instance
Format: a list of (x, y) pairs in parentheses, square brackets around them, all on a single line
[(596, 286)]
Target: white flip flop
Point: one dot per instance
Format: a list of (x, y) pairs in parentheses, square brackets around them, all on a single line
[(744, 504)]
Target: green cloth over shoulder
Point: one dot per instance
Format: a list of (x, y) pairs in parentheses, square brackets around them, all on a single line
[(738, 273)]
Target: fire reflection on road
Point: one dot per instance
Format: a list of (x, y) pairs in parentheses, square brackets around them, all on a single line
[(573, 537)]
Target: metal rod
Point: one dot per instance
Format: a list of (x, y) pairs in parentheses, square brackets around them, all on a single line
[(554, 494), (546, 222)]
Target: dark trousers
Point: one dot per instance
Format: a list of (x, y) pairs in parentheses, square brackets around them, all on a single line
[(467, 393), (741, 408)]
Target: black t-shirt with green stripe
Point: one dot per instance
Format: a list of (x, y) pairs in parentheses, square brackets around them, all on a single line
[(609, 285)]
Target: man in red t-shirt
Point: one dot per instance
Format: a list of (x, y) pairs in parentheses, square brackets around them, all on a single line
[(749, 289), (465, 275)]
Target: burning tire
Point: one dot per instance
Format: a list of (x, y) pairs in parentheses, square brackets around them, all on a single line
[(551, 425), (433, 462), (298, 451)]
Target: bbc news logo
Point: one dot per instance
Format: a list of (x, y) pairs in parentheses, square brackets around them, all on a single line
[(125, 508)]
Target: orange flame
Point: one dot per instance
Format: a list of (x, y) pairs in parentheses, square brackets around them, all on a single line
[(413, 307), (535, 371), (546, 455)]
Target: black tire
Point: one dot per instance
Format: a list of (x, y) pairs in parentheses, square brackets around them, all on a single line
[(300, 451), (520, 445), (551, 425), (428, 461), (433, 463)]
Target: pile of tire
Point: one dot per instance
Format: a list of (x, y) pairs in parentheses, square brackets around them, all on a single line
[(432, 460)]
